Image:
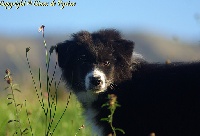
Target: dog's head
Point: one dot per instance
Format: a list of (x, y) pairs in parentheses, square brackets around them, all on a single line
[(92, 62)]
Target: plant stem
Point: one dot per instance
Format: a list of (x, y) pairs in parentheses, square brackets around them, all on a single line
[(17, 113)]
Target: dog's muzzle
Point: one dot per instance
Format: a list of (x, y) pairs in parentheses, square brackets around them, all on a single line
[(95, 81)]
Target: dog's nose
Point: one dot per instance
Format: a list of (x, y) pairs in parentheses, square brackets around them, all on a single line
[(96, 81)]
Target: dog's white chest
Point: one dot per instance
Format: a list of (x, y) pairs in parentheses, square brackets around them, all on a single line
[(90, 119)]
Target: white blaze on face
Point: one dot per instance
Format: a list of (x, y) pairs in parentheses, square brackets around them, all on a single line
[(95, 73)]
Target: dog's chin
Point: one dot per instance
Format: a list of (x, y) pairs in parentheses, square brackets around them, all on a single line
[(97, 90)]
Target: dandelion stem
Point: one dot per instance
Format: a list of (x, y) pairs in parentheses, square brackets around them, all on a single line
[(29, 122), (17, 112), (34, 83), (62, 113)]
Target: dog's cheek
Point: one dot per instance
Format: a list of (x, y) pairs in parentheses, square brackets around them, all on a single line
[(80, 72), (68, 73), (78, 75), (121, 72), (109, 73)]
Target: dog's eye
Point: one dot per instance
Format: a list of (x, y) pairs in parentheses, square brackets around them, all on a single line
[(106, 63)]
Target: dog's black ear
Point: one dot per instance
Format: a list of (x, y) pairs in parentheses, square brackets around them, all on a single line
[(64, 52), (123, 49)]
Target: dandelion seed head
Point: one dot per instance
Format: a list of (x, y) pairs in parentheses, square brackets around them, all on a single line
[(9, 80), (82, 126), (41, 28), (8, 77), (7, 71), (112, 99), (28, 49)]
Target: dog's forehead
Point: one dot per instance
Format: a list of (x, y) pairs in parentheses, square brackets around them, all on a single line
[(94, 48), (102, 52), (102, 49)]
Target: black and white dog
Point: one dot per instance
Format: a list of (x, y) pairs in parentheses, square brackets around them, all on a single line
[(163, 99)]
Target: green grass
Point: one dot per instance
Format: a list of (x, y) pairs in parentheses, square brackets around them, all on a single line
[(69, 125)]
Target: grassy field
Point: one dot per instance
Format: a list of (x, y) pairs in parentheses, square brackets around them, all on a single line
[(68, 126)]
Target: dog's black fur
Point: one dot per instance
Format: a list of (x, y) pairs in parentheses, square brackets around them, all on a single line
[(159, 98)]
